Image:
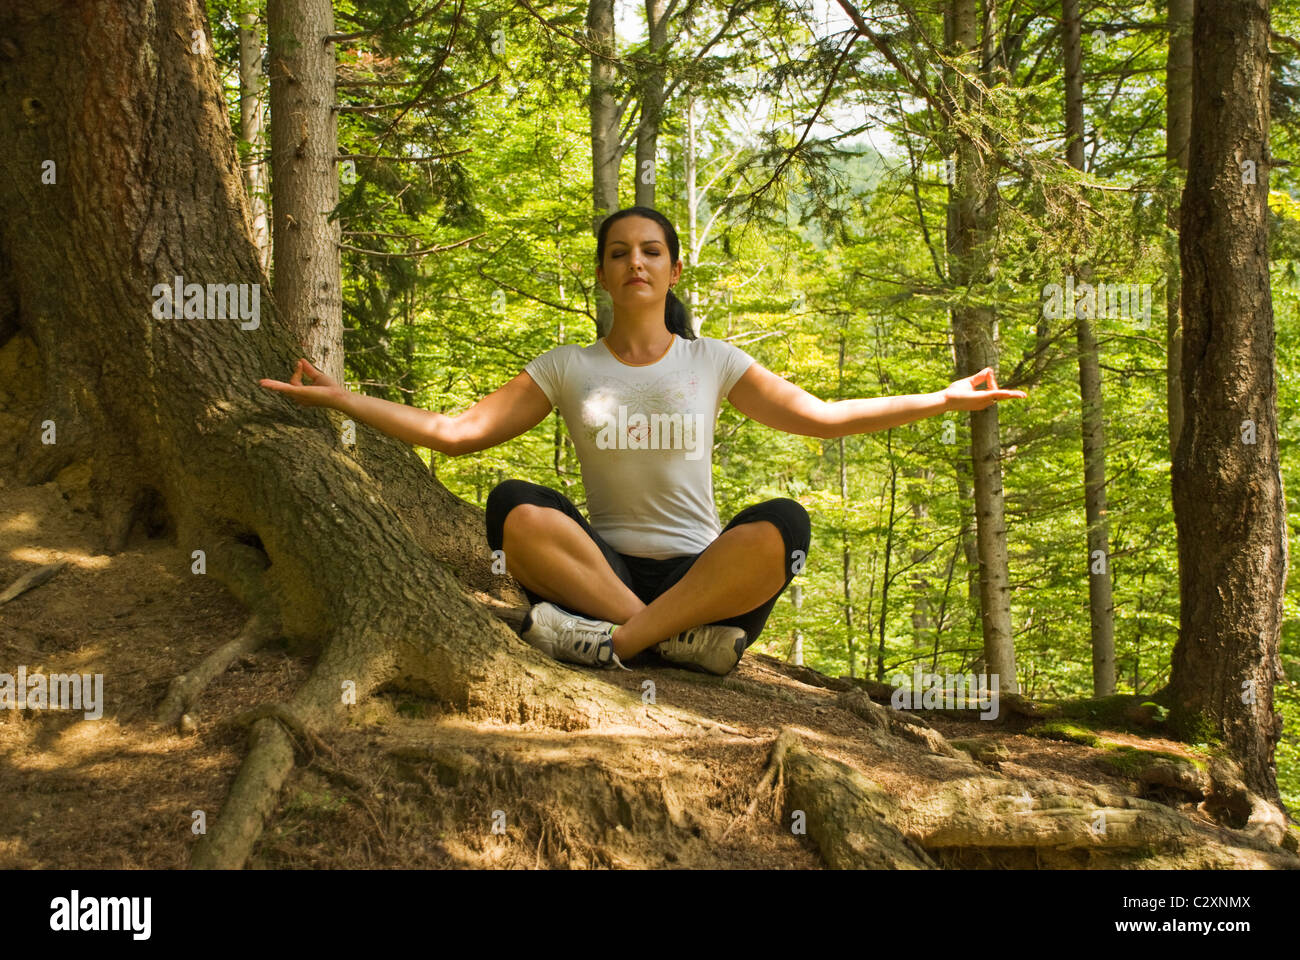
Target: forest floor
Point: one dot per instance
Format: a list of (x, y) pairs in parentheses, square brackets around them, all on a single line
[(410, 785)]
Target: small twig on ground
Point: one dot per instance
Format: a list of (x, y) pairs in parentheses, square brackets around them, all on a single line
[(185, 689), (31, 580)]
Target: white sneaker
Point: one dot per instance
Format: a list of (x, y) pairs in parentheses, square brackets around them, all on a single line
[(713, 649), (566, 636)]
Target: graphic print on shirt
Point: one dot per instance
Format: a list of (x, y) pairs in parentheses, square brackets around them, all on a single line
[(660, 415)]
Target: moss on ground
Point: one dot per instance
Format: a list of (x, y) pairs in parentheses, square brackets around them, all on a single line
[(1064, 730)]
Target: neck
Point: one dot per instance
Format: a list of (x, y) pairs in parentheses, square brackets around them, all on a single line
[(639, 342)]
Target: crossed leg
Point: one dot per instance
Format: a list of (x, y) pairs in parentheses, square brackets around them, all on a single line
[(549, 553)]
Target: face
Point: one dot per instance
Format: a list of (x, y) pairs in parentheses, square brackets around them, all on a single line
[(636, 247)]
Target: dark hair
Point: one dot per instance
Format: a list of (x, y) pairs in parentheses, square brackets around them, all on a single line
[(676, 318)]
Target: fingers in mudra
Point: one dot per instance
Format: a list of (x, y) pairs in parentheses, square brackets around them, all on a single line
[(968, 396), (318, 392)]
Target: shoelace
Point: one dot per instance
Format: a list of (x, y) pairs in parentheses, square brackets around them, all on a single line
[(685, 637), (573, 635)]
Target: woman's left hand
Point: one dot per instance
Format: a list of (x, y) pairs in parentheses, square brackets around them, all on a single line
[(964, 394)]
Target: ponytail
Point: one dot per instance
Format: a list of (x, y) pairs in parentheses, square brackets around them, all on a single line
[(676, 317)]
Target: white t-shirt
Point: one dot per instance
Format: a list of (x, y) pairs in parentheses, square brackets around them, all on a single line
[(644, 437)]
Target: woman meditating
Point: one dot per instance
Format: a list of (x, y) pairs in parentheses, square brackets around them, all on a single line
[(651, 566)]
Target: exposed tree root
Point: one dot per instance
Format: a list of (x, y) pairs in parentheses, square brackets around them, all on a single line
[(526, 686), (848, 817), (184, 690), (251, 799), (771, 774), (1068, 826), (31, 580)]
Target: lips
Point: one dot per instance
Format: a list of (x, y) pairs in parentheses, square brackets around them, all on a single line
[(636, 280)]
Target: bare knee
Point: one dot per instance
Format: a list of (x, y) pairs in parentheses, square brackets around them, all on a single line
[(763, 542), (765, 534), (527, 518)]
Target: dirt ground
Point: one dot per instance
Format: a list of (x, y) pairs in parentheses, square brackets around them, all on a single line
[(405, 784)]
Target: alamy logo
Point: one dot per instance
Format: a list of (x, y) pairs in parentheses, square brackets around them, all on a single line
[(935, 691), (60, 691), (102, 913), (179, 300), (659, 431), (1114, 301)]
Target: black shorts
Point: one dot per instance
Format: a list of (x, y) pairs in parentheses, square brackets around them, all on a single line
[(647, 577)]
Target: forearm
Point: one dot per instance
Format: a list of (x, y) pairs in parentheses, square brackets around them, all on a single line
[(843, 418), (423, 428)]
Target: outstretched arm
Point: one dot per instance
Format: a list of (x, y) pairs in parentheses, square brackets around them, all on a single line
[(763, 396), (505, 413)]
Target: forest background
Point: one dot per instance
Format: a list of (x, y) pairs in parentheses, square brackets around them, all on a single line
[(809, 180)]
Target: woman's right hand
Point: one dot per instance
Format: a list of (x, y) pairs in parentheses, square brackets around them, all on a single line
[(323, 391)]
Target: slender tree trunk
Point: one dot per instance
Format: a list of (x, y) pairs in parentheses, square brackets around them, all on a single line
[(1073, 56), (252, 89), (558, 449), (1101, 607), (605, 148), (304, 177), (1178, 125), (975, 328), (965, 495), (889, 549), (960, 362), (1227, 483), (692, 216), (845, 547), (920, 585), (652, 104)]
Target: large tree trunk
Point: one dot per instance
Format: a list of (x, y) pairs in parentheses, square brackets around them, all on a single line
[(605, 148), (975, 328), (1101, 607), (1227, 484), (344, 549), (304, 177)]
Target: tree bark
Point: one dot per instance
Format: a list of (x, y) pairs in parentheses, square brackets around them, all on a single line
[(652, 104), (1101, 607), (846, 552), (252, 89), (606, 152), (305, 178), (1227, 483), (1101, 604), (348, 549), (1178, 126), (963, 461), (889, 550), (692, 216), (922, 620)]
